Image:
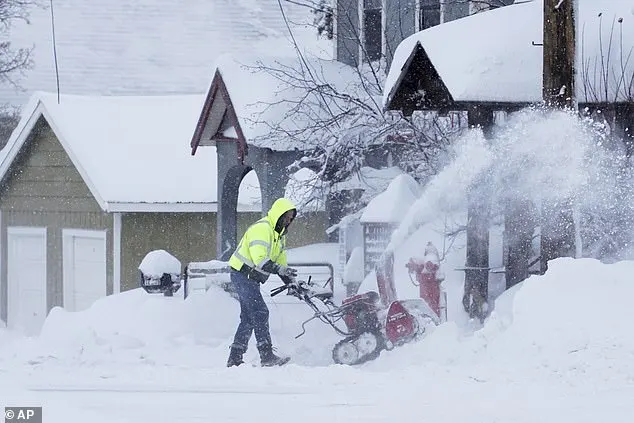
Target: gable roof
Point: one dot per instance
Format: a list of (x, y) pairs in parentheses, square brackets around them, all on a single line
[(490, 56), (147, 47), (131, 151), (267, 97)]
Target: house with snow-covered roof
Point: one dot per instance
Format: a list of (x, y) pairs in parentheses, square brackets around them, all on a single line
[(90, 185), (148, 47), (368, 30), (424, 76)]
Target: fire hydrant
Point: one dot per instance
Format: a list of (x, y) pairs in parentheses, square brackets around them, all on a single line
[(428, 277)]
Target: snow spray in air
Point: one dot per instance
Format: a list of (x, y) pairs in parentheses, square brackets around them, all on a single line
[(537, 155)]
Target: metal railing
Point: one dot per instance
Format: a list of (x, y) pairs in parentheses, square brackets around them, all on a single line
[(206, 274)]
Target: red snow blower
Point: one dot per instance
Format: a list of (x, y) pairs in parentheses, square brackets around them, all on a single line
[(367, 325)]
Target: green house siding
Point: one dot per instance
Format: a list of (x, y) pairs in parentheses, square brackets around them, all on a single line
[(309, 228), (186, 236), (44, 189), (43, 178)]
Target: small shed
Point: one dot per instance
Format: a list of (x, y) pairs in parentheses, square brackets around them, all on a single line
[(383, 215), (361, 188), (90, 185)]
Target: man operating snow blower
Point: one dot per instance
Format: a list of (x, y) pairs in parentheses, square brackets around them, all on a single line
[(260, 253)]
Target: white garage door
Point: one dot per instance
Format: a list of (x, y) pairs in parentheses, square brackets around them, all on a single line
[(84, 268), (26, 273)]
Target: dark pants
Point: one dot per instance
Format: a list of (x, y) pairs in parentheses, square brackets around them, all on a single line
[(254, 314)]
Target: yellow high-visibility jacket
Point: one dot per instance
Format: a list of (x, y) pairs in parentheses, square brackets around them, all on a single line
[(261, 243)]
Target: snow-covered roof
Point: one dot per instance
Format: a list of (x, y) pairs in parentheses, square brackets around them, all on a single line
[(143, 47), (490, 56), (372, 181), (132, 152), (388, 206), (271, 98)]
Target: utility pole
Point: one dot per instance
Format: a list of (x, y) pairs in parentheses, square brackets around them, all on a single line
[(557, 227), (559, 53)]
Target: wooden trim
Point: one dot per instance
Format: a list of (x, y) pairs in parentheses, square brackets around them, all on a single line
[(163, 207), (4, 303), (204, 114), (218, 86), (401, 76), (116, 253), (418, 71), (225, 139), (233, 116), (19, 138)]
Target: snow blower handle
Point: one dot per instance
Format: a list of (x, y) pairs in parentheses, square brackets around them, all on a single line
[(296, 286), (278, 290)]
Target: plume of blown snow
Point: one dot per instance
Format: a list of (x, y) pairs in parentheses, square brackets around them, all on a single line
[(538, 154), (446, 193)]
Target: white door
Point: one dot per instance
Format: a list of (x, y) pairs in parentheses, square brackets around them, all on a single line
[(26, 273), (84, 268)]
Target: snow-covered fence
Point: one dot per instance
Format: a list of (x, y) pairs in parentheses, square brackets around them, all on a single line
[(200, 276)]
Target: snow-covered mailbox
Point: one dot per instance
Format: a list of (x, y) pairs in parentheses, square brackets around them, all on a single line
[(160, 273), (382, 216)]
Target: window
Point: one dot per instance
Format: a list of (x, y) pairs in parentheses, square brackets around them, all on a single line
[(429, 14), (372, 29)]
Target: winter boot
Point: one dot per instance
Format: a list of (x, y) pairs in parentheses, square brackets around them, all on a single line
[(269, 359), (235, 357)]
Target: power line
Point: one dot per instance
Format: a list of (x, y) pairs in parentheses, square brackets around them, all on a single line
[(55, 51)]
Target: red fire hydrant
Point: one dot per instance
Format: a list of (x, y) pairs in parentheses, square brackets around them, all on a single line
[(428, 276)]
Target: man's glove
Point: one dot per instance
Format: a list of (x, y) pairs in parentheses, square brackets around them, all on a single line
[(287, 272)]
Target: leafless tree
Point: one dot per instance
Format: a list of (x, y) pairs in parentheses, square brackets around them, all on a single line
[(13, 61), (607, 81), (342, 128), (609, 77)]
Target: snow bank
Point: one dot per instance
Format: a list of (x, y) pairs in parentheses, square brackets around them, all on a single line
[(136, 328), (569, 324), (570, 321), (560, 343)]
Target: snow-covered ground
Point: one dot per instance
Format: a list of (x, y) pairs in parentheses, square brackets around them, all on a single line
[(558, 348)]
